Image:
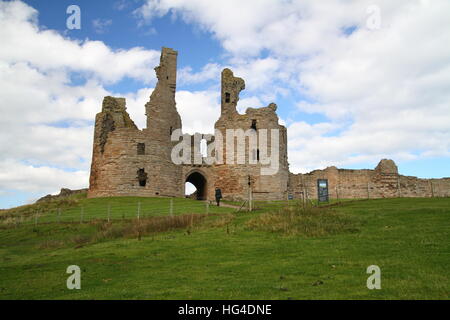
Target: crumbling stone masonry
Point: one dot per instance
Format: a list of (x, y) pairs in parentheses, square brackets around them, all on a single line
[(127, 161), (64, 193), (382, 182)]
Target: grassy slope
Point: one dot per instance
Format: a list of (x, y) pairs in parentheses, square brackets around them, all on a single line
[(78, 207), (407, 238)]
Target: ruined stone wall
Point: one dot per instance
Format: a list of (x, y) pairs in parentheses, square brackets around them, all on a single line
[(127, 161), (382, 182), (117, 172), (161, 111), (235, 178), (64, 193), (198, 165), (416, 187)]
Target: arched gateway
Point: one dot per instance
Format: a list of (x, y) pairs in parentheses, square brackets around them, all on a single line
[(197, 178)]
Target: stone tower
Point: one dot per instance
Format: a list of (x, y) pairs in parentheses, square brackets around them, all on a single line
[(127, 161), (231, 86), (161, 111), (244, 172)]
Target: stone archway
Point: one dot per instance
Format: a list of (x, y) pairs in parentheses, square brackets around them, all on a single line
[(198, 179)]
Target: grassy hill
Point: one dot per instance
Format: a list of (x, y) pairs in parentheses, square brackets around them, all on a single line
[(280, 251), (78, 208)]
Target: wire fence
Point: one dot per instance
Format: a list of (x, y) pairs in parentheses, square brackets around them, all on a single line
[(142, 208), (274, 205), (85, 212)]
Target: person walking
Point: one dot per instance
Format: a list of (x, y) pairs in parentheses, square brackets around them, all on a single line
[(218, 196)]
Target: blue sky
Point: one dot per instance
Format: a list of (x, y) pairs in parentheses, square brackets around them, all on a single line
[(350, 81), (124, 32)]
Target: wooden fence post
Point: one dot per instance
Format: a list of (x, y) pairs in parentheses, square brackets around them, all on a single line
[(139, 210)]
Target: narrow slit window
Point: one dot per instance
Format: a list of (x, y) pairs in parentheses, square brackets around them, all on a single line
[(253, 126), (142, 177), (141, 148), (227, 97)]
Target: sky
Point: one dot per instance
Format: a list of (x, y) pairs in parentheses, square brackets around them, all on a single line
[(355, 81)]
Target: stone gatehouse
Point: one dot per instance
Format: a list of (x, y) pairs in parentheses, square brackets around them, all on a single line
[(127, 161)]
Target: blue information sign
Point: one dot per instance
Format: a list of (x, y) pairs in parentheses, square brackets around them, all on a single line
[(322, 190)]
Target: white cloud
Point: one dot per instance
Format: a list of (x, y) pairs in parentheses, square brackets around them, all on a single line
[(135, 104), (247, 27), (47, 120), (43, 145), (31, 96), (101, 25), (121, 5), (257, 73), (199, 110), (210, 71), (24, 41), (248, 102), (17, 176)]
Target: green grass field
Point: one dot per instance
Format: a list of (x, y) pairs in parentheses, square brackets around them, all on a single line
[(272, 253)]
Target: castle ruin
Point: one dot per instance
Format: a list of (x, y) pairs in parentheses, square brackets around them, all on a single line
[(127, 161)]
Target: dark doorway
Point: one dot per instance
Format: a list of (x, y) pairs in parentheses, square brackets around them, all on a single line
[(199, 181), (142, 177)]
